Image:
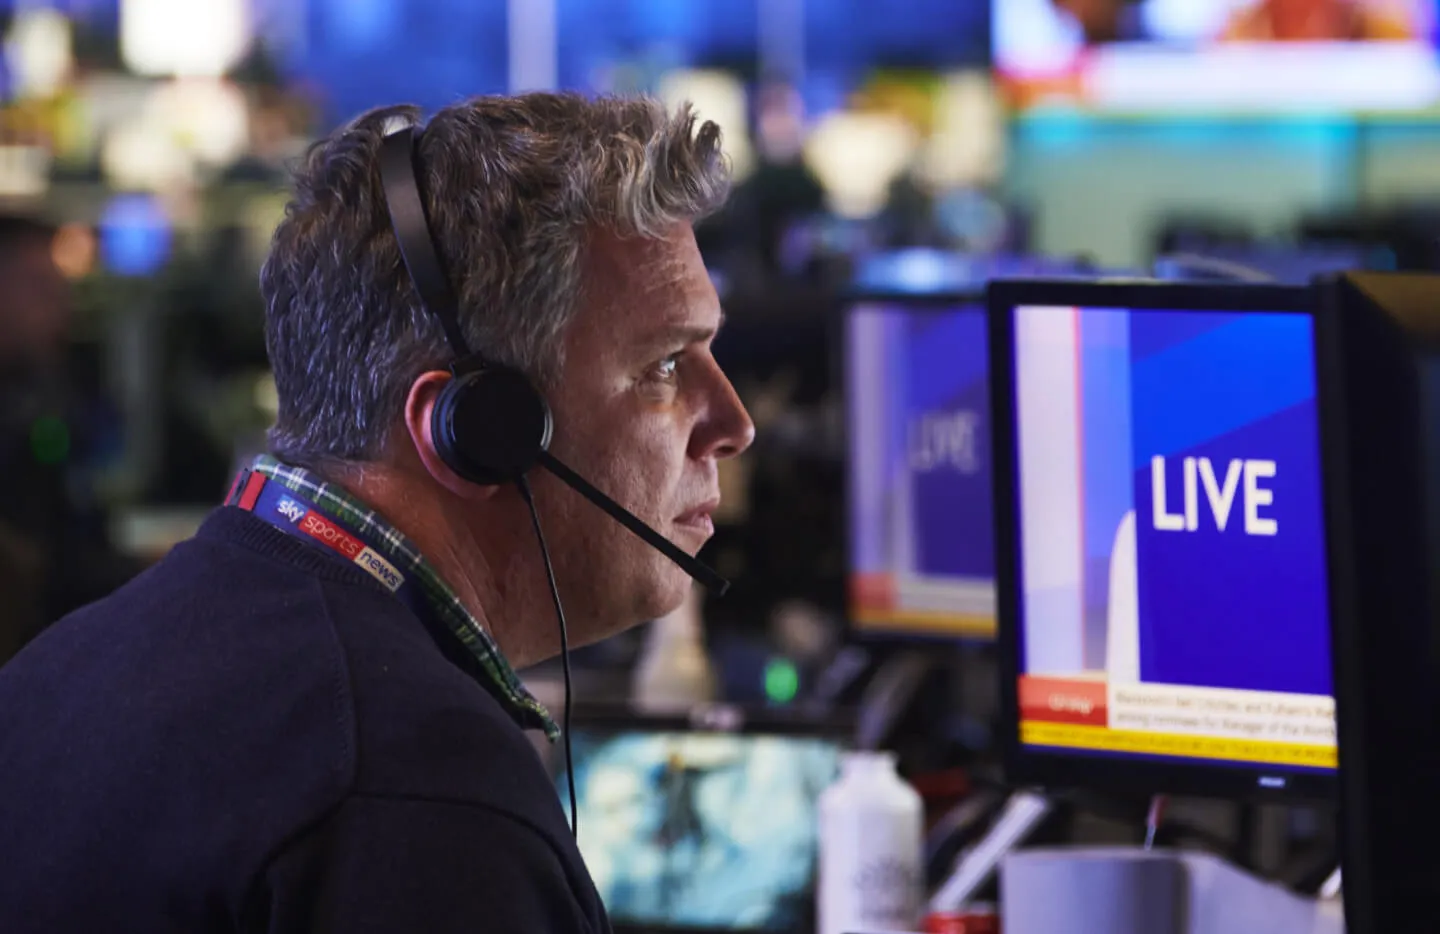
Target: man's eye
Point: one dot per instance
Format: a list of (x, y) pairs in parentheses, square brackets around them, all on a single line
[(664, 371)]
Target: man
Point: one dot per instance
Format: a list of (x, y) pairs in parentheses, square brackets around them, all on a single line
[(257, 735)]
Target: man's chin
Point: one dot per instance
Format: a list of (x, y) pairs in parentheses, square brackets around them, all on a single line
[(658, 594), (649, 592), (648, 608)]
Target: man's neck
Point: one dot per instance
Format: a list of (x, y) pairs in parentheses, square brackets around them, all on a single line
[(438, 532), (496, 577)]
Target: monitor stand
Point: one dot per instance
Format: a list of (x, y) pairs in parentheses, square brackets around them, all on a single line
[(1130, 890), (889, 695), (1021, 815)]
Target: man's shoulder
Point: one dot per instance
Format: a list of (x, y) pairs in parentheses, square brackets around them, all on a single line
[(206, 714), (411, 864), (307, 680), (421, 726), (214, 634), (427, 729)]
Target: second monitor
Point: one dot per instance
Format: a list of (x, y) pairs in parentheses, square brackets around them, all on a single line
[(922, 559)]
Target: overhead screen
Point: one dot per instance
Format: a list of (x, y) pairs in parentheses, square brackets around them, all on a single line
[(1171, 575), (1227, 54)]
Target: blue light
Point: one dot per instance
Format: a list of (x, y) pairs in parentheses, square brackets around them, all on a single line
[(916, 271), (135, 236), (363, 25)]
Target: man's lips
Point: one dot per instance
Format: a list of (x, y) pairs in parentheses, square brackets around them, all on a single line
[(699, 517)]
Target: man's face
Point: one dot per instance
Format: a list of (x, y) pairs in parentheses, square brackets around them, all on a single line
[(644, 412)]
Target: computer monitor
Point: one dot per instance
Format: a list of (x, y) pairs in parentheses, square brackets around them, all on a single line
[(1379, 341), (1164, 617), (704, 828), (917, 401), (922, 560)]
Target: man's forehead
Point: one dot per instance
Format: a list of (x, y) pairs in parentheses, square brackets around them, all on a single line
[(643, 263), (652, 284)]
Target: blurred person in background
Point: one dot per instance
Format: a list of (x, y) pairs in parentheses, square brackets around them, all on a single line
[(782, 192), (306, 718), (53, 538)]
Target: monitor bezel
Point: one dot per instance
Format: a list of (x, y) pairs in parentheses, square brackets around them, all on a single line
[(938, 302), (1026, 766)]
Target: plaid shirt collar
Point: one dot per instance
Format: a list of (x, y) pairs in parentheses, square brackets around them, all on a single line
[(519, 703)]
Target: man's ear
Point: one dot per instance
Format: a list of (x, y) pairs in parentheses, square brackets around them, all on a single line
[(419, 406)]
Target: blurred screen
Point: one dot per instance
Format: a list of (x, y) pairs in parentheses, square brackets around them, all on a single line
[(701, 830), (1181, 54), (921, 542), (1173, 569)]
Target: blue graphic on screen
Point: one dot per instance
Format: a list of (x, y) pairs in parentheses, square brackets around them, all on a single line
[(702, 830), (1231, 560), (920, 512)]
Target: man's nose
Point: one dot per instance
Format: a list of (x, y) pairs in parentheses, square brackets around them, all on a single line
[(727, 429)]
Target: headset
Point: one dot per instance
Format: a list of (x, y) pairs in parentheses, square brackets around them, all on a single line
[(491, 424)]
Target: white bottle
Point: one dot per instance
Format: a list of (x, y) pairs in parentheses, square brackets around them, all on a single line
[(871, 849)]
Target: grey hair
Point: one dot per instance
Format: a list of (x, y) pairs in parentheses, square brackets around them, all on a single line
[(515, 188)]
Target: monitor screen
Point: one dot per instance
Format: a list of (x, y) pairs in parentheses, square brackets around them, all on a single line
[(1175, 55), (1172, 576), (701, 830), (921, 535)]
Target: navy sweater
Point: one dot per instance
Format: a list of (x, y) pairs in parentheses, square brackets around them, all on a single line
[(255, 736)]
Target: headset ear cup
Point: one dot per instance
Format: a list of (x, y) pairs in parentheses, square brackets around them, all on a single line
[(442, 432), (490, 425)]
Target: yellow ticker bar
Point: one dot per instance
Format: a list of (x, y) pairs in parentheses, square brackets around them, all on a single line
[(1075, 736)]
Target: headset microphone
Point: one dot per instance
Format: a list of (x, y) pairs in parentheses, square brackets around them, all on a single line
[(698, 570), (491, 424)]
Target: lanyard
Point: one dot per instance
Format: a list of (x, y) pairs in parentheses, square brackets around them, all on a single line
[(297, 516)]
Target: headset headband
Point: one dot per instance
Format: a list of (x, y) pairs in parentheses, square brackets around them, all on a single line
[(400, 175)]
